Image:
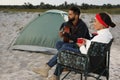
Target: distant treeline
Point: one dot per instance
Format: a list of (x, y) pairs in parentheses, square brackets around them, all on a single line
[(65, 5)]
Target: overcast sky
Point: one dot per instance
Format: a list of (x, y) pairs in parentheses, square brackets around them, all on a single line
[(57, 2)]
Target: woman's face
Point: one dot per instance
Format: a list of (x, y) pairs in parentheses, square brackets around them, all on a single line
[(97, 25)]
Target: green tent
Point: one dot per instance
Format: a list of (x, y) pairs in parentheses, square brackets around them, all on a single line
[(41, 32)]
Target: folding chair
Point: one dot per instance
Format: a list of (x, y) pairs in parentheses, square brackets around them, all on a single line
[(95, 61)]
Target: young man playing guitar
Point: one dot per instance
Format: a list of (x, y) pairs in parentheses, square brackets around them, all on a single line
[(71, 30)]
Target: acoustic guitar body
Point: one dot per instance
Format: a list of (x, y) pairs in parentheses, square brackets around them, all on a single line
[(66, 30)]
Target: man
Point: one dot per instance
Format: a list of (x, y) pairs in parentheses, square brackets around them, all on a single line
[(78, 29)]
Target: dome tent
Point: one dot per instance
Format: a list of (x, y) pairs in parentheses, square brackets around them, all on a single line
[(42, 33)]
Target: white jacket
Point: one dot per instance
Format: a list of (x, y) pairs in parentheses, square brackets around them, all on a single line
[(104, 36)]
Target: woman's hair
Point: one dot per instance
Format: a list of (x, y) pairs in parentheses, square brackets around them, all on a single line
[(107, 19)]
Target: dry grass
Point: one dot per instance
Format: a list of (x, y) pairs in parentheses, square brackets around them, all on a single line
[(112, 11)]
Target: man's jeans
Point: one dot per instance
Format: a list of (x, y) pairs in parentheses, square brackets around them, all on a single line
[(60, 45)]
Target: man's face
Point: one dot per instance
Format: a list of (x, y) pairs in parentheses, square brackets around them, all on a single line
[(71, 15)]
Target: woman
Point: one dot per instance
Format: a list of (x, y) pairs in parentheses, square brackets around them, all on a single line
[(101, 24)]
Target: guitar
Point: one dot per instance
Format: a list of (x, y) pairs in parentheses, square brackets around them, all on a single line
[(66, 29)]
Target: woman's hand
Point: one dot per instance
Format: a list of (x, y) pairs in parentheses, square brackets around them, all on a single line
[(79, 44)]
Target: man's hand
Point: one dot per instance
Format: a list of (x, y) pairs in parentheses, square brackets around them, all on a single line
[(66, 35), (61, 33)]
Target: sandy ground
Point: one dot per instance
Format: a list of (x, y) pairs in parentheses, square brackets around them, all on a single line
[(17, 65)]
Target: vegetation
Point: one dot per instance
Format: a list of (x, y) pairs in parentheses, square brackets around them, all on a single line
[(86, 8)]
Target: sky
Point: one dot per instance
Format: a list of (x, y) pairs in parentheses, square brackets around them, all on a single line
[(57, 2)]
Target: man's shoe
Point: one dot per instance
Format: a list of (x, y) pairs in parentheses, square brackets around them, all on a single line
[(43, 71)]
